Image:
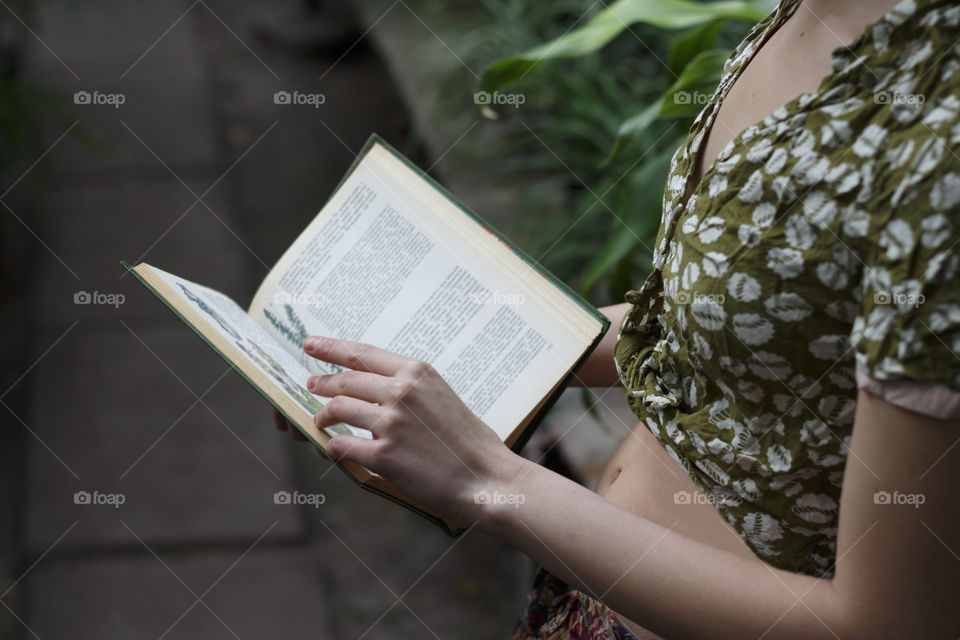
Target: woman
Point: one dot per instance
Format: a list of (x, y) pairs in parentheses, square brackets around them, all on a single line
[(792, 359)]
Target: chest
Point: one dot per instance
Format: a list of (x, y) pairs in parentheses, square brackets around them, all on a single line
[(764, 263), (793, 61)]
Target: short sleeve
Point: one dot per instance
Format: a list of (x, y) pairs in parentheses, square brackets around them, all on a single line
[(906, 335)]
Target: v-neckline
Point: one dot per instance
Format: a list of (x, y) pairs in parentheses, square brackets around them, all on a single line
[(785, 12)]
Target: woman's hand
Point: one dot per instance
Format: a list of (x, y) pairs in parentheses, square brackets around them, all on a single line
[(426, 442)]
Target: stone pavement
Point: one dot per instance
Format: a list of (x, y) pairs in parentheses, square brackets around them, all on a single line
[(199, 171)]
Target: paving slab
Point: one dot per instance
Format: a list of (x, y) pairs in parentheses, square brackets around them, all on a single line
[(107, 36), (90, 226), (121, 423), (383, 551), (266, 594), (135, 137), (146, 53), (284, 182)]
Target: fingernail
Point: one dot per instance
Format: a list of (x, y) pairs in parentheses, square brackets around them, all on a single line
[(309, 344), (311, 382)]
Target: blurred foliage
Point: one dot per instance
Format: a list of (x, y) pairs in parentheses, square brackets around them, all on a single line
[(603, 112), (14, 97), (25, 108)]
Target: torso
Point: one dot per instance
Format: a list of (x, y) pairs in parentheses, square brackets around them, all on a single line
[(640, 476)]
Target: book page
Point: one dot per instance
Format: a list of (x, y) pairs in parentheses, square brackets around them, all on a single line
[(229, 320), (380, 266)]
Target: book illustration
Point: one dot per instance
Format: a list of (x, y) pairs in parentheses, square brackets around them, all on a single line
[(294, 334), (210, 311), (251, 347), (306, 399), (347, 430)]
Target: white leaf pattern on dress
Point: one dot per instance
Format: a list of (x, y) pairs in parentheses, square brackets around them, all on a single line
[(788, 307), (752, 329), (817, 508)]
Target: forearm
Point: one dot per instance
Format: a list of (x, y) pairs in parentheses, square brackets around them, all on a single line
[(670, 584), (598, 370)]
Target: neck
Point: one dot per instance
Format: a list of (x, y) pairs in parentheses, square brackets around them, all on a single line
[(845, 18)]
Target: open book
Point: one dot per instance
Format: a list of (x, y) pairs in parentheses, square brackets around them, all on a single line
[(394, 261)]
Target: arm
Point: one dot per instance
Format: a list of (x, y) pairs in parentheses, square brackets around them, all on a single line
[(897, 572), (598, 369), (897, 566)]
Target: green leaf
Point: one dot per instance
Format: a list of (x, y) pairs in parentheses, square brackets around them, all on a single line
[(690, 92), (609, 23), (685, 97), (686, 46), (632, 126), (647, 184)]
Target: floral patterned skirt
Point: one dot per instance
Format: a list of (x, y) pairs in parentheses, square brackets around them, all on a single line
[(557, 611)]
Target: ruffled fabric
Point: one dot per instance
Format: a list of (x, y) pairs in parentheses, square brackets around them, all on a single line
[(643, 358), (557, 611)]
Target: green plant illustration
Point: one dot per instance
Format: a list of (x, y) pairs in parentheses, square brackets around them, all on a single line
[(306, 399), (295, 333)]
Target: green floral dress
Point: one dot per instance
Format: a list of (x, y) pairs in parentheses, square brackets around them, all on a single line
[(816, 256)]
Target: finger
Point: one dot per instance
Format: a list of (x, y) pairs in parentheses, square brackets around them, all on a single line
[(371, 387), (352, 411), (279, 422), (295, 433), (360, 450), (355, 355)]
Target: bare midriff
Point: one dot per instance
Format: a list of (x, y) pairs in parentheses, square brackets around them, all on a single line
[(642, 478)]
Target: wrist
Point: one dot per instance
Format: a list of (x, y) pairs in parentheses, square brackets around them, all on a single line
[(498, 492)]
